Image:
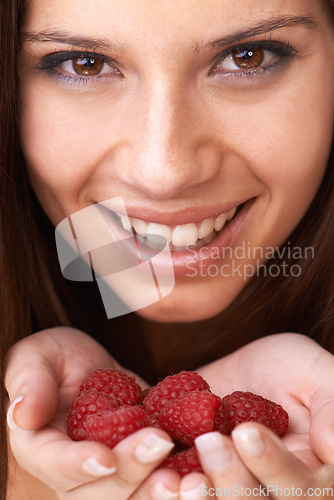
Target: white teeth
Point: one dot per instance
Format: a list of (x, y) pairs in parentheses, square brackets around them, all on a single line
[(140, 226), (204, 241), (126, 222), (152, 241), (185, 235), (205, 228), (231, 214), (219, 222), (159, 229), (180, 236)]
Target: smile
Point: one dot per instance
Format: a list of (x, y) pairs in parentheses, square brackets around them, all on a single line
[(148, 237), (180, 237)]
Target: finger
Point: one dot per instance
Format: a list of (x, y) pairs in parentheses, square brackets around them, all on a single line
[(267, 458), (43, 364), (66, 465), (223, 467), (319, 398), (33, 390), (196, 486), (137, 456), (162, 484), (58, 461), (322, 432)]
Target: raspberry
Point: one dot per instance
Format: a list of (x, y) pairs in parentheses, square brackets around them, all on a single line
[(145, 392), (108, 410), (279, 417), (115, 383), (172, 387), (184, 462), (154, 420), (188, 417), (111, 426), (221, 423), (241, 407), (85, 404)]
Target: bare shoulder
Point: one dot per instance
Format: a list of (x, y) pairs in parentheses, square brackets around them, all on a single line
[(22, 485)]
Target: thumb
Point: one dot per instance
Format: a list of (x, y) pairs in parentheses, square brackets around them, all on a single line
[(32, 388), (322, 432), (321, 405)]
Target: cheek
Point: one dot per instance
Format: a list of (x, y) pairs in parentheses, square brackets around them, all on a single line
[(290, 161), (60, 142), (290, 151), (49, 141), (286, 140)]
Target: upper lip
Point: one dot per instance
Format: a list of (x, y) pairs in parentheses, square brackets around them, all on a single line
[(176, 216)]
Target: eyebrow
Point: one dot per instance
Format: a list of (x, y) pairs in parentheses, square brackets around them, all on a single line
[(64, 37), (271, 24)]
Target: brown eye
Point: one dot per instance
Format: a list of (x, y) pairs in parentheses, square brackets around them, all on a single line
[(87, 66), (248, 59)]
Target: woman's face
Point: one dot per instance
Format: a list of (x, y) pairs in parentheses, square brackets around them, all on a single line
[(188, 109)]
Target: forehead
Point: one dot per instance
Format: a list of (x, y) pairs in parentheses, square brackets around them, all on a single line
[(167, 19)]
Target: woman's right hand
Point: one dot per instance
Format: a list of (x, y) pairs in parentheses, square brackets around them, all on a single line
[(43, 374)]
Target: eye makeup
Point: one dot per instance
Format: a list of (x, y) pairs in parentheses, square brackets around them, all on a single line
[(252, 59), (242, 61), (82, 61)]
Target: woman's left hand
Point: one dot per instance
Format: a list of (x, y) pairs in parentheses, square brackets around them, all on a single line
[(298, 374)]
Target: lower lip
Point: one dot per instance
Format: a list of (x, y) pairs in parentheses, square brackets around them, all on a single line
[(185, 261)]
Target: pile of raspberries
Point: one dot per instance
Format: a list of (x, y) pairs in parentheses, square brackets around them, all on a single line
[(111, 406)]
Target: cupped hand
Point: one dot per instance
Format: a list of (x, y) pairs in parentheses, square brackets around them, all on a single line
[(297, 373), (43, 374)]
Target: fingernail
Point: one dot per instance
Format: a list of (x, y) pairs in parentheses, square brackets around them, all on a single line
[(152, 448), (10, 414), (94, 468), (195, 494), (160, 492), (213, 453), (249, 441)]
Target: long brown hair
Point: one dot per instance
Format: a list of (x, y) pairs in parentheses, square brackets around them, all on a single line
[(22, 259), (27, 292)]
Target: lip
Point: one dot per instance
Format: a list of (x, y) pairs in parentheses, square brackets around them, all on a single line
[(183, 261), (174, 217)]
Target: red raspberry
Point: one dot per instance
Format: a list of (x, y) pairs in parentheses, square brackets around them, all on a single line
[(241, 407), (184, 462), (279, 417), (85, 404), (172, 387), (116, 384), (154, 420), (186, 418), (145, 392), (111, 426), (221, 422)]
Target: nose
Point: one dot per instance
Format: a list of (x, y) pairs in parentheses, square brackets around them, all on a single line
[(169, 145)]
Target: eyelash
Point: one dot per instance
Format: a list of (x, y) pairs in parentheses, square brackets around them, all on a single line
[(50, 62), (278, 48)]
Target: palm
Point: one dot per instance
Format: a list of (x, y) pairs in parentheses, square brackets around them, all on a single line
[(64, 358), (266, 368), (54, 363), (79, 356)]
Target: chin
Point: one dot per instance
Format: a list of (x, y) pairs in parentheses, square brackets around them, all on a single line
[(173, 309)]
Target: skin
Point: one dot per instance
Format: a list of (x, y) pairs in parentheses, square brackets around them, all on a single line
[(208, 138), (48, 367), (212, 138)]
